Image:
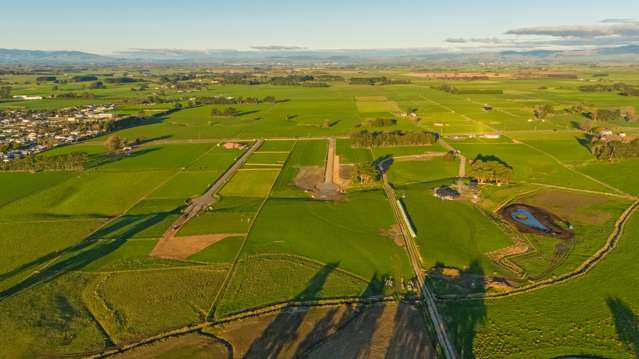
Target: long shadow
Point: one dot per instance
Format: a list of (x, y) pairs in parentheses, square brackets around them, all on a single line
[(79, 256), (491, 158), (384, 163), (410, 339), (362, 321), (626, 323), (107, 158), (585, 142), (462, 317), (283, 329)]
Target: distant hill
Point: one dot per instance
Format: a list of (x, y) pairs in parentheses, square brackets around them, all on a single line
[(621, 54), (37, 57)]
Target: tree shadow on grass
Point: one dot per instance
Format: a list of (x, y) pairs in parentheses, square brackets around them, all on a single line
[(79, 256), (491, 158), (626, 323), (384, 163), (463, 316), (360, 320), (585, 142), (107, 158), (283, 329)]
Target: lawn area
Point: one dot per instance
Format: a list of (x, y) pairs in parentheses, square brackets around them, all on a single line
[(454, 233), (349, 232), (437, 168)]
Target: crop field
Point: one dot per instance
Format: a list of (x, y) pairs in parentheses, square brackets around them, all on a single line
[(280, 262)]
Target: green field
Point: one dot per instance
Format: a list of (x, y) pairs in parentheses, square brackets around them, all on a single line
[(76, 272)]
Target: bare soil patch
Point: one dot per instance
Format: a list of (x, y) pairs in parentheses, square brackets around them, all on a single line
[(308, 178), (184, 247), (383, 330), (187, 346), (394, 233)]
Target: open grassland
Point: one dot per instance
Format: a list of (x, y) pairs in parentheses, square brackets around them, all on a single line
[(355, 232), (133, 305), (49, 320), (427, 170), (451, 233), (262, 280), (593, 315)]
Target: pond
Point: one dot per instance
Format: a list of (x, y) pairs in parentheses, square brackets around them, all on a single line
[(523, 216)]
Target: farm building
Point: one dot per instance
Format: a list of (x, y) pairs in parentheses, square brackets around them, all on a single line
[(446, 192)]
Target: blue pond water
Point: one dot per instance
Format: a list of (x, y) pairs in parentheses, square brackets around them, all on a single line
[(524, 216)]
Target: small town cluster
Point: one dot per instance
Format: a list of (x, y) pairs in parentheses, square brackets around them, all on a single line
[(27, 132)]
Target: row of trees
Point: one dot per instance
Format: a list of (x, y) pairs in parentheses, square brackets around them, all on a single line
[(74, 161), (468, 91), (365, 138), (620, 87), (624, 114), (612, 150), (219, 100), (381, 80), (229, 111), (490, 170)]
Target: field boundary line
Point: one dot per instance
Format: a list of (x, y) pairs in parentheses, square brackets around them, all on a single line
[(87, 238), (559, 162), (231, 270), (305, 259), (249, 313), (580, 271)]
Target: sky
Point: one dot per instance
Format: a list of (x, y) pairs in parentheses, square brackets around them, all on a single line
[(106, 27)]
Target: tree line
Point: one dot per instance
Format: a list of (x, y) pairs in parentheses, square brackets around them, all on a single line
[(468, 91), (619, 87), (365, 138), (73, 161)]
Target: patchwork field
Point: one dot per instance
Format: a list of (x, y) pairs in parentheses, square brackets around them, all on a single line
[(269, 268)]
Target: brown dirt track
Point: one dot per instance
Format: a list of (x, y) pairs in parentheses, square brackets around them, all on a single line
[(184, 247)]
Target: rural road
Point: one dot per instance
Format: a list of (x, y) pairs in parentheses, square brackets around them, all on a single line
[(415, 260), (201, 203)]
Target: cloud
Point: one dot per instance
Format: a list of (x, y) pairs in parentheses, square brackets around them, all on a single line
[(277, 48), (481, 40), (612, 27), (620, 21)]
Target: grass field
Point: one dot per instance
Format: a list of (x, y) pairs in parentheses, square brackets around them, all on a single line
[(76, 276)]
